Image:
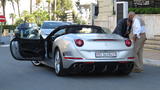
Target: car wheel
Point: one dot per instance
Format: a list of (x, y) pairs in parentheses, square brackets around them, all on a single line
[(36, 63), (58, 64)]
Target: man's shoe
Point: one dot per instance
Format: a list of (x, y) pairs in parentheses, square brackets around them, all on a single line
[(137, 70)]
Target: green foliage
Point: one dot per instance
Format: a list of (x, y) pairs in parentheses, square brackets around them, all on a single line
[(145, 10), (37, 17), (27, 17), (77, 19), (19, 21), (10, 27), (12, 15), (40, 16), (62, 6)]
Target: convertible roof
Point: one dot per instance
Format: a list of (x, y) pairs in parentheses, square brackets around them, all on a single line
[(70, 26)]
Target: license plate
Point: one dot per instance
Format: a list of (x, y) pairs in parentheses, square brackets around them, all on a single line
[(103, 54)]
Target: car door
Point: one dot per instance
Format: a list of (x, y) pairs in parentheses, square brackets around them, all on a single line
[(28, 49)]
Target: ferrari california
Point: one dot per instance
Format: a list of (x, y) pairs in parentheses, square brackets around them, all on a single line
[(77, 49)]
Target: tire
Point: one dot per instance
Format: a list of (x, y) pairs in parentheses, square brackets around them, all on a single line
[(36, 63), (58, 64)]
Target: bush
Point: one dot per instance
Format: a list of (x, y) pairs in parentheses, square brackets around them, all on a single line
[(10, 27), (145, 10)]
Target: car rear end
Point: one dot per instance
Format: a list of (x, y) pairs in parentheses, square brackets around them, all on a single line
[(99, 53)]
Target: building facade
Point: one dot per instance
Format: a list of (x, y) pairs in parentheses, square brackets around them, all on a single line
[(106, 15), (107, 18)]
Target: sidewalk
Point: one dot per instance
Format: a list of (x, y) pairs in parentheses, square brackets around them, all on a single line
[(151, 57), (4, 40)]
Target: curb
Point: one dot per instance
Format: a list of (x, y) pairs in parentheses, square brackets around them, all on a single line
[(152, 62), (4, 45)]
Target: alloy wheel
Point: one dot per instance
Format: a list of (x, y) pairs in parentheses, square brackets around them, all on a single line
[(57, 62)]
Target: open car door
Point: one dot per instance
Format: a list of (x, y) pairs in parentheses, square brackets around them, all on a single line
[(27, 49)]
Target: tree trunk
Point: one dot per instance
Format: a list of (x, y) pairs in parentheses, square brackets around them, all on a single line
[(30, 6), (3, 5), (49, 9), (18, 8), (55, 9), (13, 6)]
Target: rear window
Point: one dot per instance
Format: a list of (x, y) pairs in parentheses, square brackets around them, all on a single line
[(85, 30), (52, 25)]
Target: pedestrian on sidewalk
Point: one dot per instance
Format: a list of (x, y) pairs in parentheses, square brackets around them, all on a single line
[(139, 37), (123, 28)]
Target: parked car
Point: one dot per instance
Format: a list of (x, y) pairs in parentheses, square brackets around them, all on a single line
[(48, 26), (77, 48), (25, 29)]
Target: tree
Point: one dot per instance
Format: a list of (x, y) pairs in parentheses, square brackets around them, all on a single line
[(38, 1), (12, 1), (49, 7), (12, 16), (27, 17), (61, 7), (77, 19), (30, 6), (17, 1), (3, 2), (37, 16), (40, 16)]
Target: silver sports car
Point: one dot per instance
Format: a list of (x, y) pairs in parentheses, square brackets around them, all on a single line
[(77, 48)]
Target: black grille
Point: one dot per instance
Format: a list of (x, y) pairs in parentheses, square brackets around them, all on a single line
[(100, 67)]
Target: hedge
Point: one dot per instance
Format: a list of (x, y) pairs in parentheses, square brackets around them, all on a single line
[(10, 27), (145, 10)]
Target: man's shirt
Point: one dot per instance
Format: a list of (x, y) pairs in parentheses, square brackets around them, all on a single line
[(138, 26)]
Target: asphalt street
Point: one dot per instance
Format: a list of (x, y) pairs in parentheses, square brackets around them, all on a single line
[(17, 75)]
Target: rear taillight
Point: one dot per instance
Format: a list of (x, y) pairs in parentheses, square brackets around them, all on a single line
[(79, 42), (131, 57), (128, 43)]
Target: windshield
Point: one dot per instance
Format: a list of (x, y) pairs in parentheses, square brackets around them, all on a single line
[(85, 30), (52, 25), (27, 26)]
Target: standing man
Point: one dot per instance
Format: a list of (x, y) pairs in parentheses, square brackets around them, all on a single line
[(123, 28), (139, 37)]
